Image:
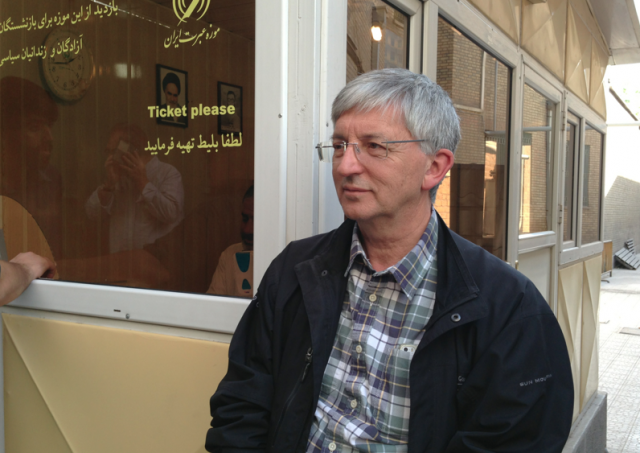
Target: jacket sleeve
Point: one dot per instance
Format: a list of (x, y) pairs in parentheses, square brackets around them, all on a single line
[(518, 397), (241, 406)]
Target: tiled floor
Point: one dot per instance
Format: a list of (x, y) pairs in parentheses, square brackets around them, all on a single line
[(620, 360)]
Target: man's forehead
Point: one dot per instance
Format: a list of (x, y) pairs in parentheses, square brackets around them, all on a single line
[(370, 124)]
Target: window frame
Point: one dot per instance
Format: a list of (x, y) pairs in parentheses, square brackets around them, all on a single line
[(527, 241), (577, 251), (576, 163)]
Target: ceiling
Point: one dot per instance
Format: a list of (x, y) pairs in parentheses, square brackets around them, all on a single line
[(618, 20)]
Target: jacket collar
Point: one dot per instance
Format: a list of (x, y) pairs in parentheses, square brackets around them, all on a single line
[(323, 287)]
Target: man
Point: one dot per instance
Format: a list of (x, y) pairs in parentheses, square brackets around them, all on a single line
[(231, 121), (393, 333), (234, 273), (16, 275), (143, 197), (27, 117), (171, 88)]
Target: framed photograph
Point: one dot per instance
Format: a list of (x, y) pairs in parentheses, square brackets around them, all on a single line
[(229, 96), (172, 97)]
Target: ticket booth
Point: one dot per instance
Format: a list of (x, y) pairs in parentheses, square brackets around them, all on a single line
[(155, 149)]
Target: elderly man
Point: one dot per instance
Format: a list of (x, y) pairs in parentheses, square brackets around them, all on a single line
[(392, 333)]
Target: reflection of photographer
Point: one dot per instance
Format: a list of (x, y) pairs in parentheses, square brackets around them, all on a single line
[(143, 197)]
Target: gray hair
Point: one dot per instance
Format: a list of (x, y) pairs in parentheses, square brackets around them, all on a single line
[(427, 109)]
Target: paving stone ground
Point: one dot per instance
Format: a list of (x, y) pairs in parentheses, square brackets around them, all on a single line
[(620, 359)]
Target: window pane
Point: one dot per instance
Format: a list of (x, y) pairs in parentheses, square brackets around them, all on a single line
[(130, 142), (472, 198), (591, 185), (537, 151), (377, 37)]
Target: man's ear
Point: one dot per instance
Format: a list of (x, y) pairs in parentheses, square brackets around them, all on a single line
[(441, 163)]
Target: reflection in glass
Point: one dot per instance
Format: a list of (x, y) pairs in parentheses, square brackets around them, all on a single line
[(591, 185), (142, 197), (28, 118), (472, 198), (160, 207), (537, 152), (377, 37), (234, 274)]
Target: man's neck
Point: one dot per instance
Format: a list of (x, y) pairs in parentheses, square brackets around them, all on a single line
[(386, 243)]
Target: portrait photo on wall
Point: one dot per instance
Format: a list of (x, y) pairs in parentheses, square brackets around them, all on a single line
[(172, 96), (230, 96)]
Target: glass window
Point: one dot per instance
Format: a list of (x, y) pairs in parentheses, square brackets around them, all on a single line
[(472, 198), (591, 185), (537, 152), (127, 135), (377, 37)]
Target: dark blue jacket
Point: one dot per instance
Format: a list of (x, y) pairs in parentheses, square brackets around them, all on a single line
[(491, 373)]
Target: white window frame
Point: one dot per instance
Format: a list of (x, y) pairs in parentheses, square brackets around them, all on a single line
[(576, 164), (577, 251), (534, 241)]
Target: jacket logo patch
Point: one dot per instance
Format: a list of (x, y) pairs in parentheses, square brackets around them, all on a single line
[(536, 380)]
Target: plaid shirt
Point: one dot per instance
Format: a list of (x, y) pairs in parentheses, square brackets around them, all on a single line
[(364, 398)]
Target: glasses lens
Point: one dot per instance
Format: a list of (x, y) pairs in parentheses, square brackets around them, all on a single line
[(325, 152), (375, 147)]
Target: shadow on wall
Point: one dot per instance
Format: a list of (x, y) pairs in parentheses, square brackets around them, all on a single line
[(622, 212)]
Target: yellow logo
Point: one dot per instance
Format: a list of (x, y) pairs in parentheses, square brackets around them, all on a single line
[(194, 8)]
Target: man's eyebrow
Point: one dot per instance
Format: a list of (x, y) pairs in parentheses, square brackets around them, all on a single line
[(361, 137)]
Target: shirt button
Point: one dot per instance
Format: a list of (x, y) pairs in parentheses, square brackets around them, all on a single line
[(354, 404), (332, 446), (373, 298), (358, 349)]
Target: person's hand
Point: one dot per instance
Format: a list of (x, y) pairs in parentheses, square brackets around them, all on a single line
[(36, 266), (135, 168)]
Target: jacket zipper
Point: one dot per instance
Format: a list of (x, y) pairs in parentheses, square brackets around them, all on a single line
[(308, 358)]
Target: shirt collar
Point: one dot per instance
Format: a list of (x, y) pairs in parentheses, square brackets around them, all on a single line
[(411, 269)]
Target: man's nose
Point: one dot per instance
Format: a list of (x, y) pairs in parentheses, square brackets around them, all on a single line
[(349, 163)]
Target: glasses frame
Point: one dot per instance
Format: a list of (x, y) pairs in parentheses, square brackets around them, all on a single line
[(320, 147)]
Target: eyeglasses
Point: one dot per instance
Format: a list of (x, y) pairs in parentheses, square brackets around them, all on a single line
[(366, 150)]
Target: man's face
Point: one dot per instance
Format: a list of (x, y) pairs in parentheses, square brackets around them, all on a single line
[(379, 189), (231, 99), (171, 94), (246, 230)]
